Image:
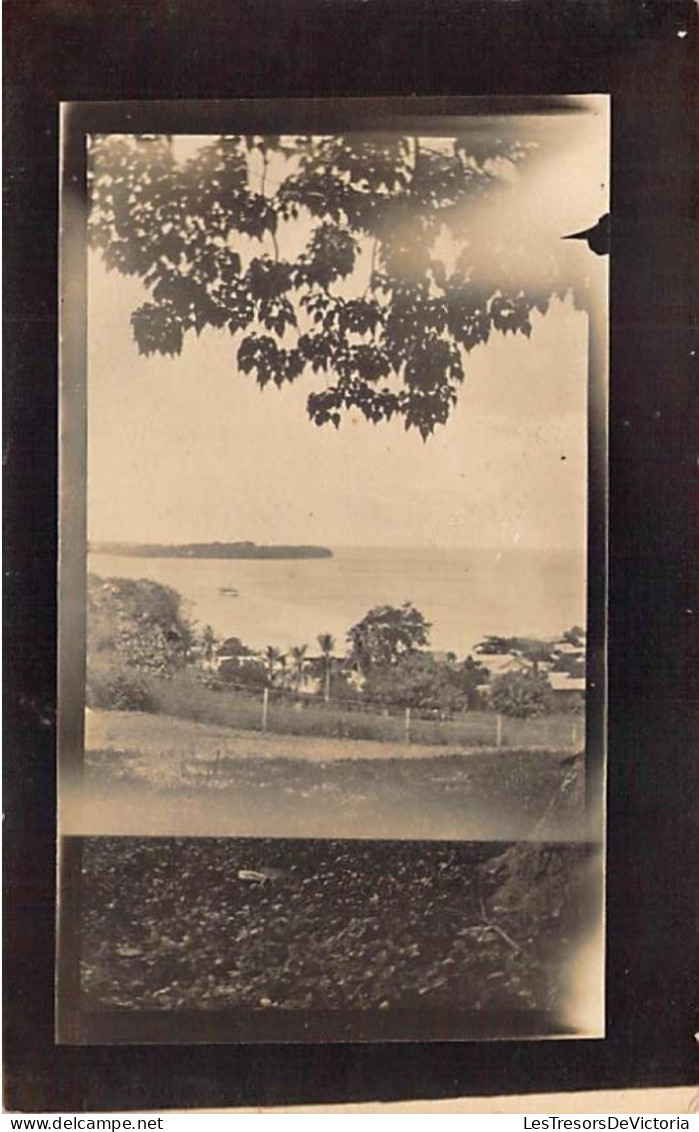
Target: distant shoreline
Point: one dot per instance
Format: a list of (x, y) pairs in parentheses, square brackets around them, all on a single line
[(221, 550)]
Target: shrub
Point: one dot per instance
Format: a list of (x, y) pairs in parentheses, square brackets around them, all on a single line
[(117, 688), (138, 624), (415, 680), (522, 694), (252, 675)]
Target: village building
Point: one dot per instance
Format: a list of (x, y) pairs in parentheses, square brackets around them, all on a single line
[(568, 691)]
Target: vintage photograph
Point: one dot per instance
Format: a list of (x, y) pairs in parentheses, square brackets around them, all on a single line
[(333, 643)]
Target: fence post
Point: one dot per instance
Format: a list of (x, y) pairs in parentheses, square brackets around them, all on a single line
[(498, 730), (407, 725), (265, 706)]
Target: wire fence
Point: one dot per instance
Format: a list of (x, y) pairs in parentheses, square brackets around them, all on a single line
[(267, 710)]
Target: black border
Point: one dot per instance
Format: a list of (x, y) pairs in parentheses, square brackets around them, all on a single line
[(69, 50)]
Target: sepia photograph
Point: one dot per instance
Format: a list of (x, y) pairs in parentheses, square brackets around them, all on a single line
[(332, 681)]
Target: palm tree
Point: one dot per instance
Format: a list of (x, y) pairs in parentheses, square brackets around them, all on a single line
[(327, 644), (298, 660), (208, 643), (272, 659)]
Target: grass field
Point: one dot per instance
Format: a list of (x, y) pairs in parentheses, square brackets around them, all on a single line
[(189, 699), (146, 773)]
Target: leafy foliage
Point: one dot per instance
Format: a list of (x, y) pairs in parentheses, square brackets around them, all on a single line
[(418, 680), (253, 675), (139, 623), (575, 636), (472, 676), (115, 687), (134, 629), (233, 647), (299, 665), (370, 302), (531, 648), (208, 643), (326, 644), (538, 651), (274, 662), (522, 694), (385, 634)]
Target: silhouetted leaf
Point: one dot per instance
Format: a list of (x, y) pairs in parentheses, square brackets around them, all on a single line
[(369, 297)]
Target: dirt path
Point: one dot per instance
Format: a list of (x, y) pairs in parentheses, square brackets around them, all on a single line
[(126, 730)]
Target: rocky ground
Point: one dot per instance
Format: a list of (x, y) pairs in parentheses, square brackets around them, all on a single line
[(275, 925)]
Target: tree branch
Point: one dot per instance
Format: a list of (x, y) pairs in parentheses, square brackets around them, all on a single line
[(265, 162), (370, 285)]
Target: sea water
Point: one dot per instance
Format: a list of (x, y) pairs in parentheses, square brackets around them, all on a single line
[(465, 593)]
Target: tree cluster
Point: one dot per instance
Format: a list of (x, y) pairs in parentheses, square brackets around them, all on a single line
[(371, 305), (530, 648), (420, 681), (135, 629), (521, 694), (386, 648), (141, 622), (386, 635)]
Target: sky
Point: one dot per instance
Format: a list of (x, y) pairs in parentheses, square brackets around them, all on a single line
[(189, 449)]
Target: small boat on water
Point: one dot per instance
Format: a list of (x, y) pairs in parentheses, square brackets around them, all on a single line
[(228, 591)]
